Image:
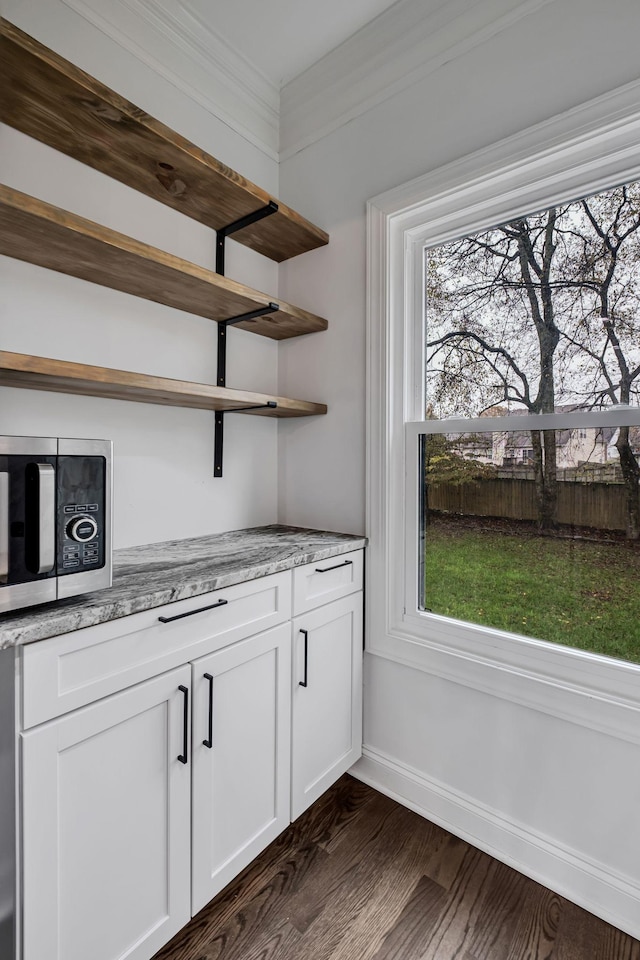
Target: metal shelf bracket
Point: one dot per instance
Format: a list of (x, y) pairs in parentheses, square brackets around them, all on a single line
[(224, 232), (221, 379)]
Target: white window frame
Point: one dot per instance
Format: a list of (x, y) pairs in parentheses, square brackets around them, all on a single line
[(586, 150)]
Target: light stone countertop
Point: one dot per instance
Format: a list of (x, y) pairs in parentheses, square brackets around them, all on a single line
[(152, 575)]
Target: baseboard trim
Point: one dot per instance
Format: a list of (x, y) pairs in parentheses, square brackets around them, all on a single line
[(586, 882)]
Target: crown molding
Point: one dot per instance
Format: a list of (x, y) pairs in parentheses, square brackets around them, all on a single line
[(203, 65), (396, 50)]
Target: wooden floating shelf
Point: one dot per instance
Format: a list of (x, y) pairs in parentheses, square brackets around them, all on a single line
[(45, 235), (60, 376), (53, 101)]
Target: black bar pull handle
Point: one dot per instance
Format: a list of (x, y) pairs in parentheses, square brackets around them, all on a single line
[(192, 613), (336, 566), (304, 683), (209, 741), (184, 757)]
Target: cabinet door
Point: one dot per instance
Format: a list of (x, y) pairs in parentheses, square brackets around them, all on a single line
[(241, 757), (327, 698), (106, 838)]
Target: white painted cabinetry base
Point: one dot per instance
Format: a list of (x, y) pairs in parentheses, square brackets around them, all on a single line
[(326, 710), (106, 832), (157, 757), (240, 795)]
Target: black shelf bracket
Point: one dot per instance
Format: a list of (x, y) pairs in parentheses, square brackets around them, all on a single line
[(224, 232), (218, 440), (221, 379)]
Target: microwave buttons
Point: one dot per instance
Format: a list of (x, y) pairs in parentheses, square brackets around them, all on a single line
[(82, 529)]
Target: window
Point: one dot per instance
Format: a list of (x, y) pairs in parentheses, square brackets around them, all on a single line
[(535, 170), (536, 531), (487, 560)]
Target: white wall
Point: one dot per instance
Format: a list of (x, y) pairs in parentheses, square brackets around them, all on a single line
[(568, 52), (554, 797), (164, 486)]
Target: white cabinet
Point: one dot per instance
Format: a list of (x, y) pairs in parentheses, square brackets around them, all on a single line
[(326, 715), (241, 723), (122, 841), (106, 831)]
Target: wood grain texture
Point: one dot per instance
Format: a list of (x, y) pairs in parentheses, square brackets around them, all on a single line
[(45, 235), (537, 928), (475, 894), (581, 936), (61, 376), (410, 934), (53, 101), (446, 858), (353, 879), (340, 900)]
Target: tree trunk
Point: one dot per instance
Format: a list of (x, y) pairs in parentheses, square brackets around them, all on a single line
[(628, 462), (546, 476), (550, 485), (631, 477), (536, 275), (538, 470)]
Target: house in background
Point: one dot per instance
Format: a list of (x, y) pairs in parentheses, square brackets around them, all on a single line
[(541, 772), (574, 448), (577, 447)]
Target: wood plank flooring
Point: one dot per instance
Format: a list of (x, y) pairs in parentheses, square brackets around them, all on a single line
[(359, 877)]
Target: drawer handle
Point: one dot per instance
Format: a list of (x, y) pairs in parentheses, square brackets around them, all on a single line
[(183, 757), (191, 613), (304, 683), (336, 567), (209, 741)]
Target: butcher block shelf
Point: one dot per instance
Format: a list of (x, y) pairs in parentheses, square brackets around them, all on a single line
[(48, 98), (61, 376), (45, 235)]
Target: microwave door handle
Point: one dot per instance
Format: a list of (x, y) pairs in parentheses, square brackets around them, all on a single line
[(4, 526), (46, 517)]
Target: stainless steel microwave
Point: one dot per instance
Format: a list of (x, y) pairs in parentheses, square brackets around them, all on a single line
[(55, 519)]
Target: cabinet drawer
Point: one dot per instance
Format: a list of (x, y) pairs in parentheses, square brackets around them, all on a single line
[(69, 671), (326, 580)]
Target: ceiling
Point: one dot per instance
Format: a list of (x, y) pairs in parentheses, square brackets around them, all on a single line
[(281, 38)]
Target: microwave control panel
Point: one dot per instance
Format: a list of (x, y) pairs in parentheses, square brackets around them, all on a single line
[(81, 513)]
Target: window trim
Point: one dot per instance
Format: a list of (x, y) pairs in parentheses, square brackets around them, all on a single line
[(588, 149)]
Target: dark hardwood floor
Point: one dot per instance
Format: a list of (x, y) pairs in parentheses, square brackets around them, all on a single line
[(359, 877)]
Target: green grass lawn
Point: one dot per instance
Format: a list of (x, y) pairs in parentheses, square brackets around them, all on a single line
[(575, 592)]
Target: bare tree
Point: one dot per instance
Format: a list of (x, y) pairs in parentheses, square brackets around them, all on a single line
[(542, 310), (492, 295), (607, 332)]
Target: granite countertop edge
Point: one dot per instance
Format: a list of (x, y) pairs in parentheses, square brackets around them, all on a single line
[(142, 582)]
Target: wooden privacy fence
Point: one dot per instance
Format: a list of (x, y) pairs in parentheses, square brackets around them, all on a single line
[(598, 505)]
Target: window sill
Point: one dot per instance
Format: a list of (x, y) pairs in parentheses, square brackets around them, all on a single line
[(584, 688)]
